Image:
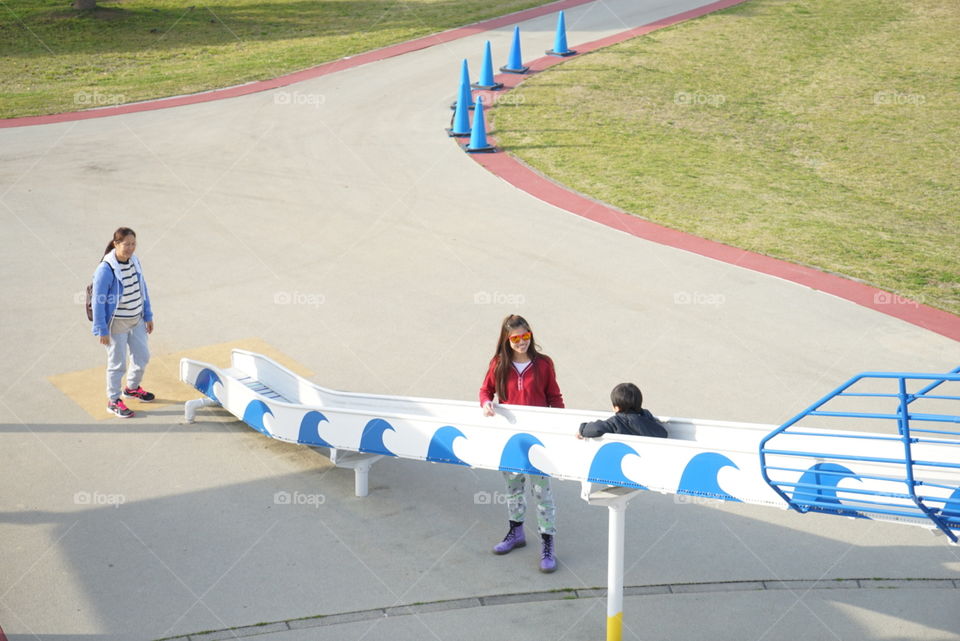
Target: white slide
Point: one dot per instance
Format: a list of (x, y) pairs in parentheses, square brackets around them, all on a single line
[(859, 474)]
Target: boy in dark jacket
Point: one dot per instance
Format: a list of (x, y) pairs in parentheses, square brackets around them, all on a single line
[(630, 417)]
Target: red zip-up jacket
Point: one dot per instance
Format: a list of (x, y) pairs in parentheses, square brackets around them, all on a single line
[(536, 386)]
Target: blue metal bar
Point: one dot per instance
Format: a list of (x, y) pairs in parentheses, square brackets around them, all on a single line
[(833, 507), (870, 459), (920, 417), (933, 385), (852, 415), (872, 477), (904, 426), (863, 505), (840, 457), (849, 435), (945, 418), (938, 441), (823, 497), (846, 490)]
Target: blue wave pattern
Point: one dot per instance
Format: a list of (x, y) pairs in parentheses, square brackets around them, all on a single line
[(206, 379), (253, 416), (310, 429), (516, 455), (441, 446), (951, 509), (371, 440), (607, 466), (823, 498), (701, 476)]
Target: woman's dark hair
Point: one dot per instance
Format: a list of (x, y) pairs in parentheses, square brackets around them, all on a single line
[(627, 397), (504, 353), (118, 237)]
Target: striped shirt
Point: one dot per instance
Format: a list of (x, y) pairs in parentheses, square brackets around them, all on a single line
[(131, 303)]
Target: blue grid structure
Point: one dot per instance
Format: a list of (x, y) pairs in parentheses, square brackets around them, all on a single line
[(907, 474)]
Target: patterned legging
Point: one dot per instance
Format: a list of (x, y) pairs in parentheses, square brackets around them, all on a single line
[(517, 501)]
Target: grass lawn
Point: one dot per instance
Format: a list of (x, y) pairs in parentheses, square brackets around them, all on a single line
[(54, 58), (824, 132)]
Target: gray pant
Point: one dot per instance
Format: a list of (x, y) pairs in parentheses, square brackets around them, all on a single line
[(136, 339), (517, 500)]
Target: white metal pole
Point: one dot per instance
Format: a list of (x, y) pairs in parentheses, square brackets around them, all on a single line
[(615, 570)]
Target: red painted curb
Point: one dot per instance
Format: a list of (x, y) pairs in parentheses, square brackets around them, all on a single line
[(297, 76), (523, 177)]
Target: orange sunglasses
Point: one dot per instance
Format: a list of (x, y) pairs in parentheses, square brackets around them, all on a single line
[(521, 337)]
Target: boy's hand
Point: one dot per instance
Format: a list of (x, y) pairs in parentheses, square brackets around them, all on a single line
[(579, 436)]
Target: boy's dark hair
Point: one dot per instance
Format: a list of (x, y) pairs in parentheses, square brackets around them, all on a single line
[(627, 397)]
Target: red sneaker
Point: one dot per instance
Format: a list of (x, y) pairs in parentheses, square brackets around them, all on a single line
[(117, 407), (140, 393)]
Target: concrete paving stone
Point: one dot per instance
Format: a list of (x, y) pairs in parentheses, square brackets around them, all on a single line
[(773, 615), (399, 611), (720, 586), (802, 585), (246, 631), (453, 604), (336, 619), (641, 590), (529, 597), (926, 584)]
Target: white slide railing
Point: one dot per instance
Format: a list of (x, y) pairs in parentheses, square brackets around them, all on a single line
[(702, 458)]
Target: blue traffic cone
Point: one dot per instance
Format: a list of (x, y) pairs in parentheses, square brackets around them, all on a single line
[(478, 137), (515, 62), (461, 117), (464, 82), (486, 80), (560, 40)]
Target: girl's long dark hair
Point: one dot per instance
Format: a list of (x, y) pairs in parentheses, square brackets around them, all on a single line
[(118, 236), (504, 354)]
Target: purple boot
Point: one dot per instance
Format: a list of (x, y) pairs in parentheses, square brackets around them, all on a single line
[(548, 562), (513, 539)]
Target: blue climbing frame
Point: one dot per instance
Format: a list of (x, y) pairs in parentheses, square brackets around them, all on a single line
[(912, 487)]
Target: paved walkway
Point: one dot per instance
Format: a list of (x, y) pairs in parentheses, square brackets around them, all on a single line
[(334, 220)]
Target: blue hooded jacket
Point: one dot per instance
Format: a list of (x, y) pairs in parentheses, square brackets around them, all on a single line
[(108, 289)]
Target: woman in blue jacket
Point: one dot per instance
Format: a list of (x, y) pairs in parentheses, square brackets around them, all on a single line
[(122, 318)]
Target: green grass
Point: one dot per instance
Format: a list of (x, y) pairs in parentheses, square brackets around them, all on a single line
[(824, 132), (54, 58)]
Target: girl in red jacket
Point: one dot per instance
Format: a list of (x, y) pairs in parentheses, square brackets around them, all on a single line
[(520, 375)]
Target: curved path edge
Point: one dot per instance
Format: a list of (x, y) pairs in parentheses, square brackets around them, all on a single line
[(298, 76), (793, 585), (523, 177)]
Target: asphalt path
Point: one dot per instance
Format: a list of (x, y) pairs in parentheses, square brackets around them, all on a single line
[(334, 219)]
